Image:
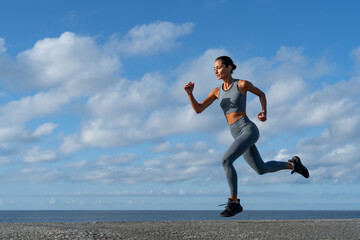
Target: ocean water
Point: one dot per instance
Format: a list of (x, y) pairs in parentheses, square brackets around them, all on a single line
[(129, 216)]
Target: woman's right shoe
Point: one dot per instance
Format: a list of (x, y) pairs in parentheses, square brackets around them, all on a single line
[(298, 167)]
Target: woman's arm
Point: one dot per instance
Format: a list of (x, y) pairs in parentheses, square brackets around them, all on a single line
[(248, 86), (199, 107)]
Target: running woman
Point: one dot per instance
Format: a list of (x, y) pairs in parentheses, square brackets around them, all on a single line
[(232, 97)]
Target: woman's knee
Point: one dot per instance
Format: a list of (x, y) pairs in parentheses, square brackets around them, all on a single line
[(261, 170), (226, 162)]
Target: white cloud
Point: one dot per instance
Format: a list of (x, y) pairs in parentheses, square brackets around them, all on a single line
[(224, 136), (151, 38), (34, 155), (76, 165), (52, 201), (162, 147), (190, 164), (289, 56), (181, 146), (124, 123), (64, 69), (283, 155), (70, 60), (129, 96), (286, 91), (344, 153), (2, 46), (44, 129), (36, 175), (119, 159), (27, 108), (71, 143), (104, 175), (116, 114), (13, 133), (177, 120), (33, 170)]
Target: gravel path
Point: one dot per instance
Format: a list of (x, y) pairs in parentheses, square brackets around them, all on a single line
[(259, 229)]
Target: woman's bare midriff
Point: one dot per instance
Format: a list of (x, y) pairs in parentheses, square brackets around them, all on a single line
[(233, 117)]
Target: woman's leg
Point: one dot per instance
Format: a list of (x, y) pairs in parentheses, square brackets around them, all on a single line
[(253, 158), (243, 141)]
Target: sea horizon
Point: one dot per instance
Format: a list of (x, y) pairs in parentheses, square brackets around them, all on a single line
[(32, 216)]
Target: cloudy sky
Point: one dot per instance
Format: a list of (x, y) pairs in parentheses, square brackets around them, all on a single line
[(93, 114)]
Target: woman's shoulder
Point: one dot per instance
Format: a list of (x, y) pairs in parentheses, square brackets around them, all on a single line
[(215, 92), (242, 85), (242, 82)]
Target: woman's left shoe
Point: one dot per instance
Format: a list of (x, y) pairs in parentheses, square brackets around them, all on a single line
[(232, 208), (298, 167)]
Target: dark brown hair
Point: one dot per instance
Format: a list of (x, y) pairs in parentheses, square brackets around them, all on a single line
[(227, 61)]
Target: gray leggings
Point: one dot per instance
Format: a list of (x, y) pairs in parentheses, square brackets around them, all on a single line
[(246, 133)]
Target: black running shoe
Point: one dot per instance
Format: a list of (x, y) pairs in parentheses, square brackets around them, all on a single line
[(231, 209), (298, 167)]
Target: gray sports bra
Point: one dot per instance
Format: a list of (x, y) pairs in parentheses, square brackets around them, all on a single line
[(232, 100)]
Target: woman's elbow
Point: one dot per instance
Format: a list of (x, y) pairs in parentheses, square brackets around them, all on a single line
[(262, 95), (198, 111)]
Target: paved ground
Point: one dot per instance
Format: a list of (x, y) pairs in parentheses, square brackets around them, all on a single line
[(259, 229)]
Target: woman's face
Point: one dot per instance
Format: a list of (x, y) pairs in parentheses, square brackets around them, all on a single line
[(221, 71)]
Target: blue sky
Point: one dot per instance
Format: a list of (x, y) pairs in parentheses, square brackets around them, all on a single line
[(93, 114)]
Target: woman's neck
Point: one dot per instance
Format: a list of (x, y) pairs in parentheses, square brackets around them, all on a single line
[(227, 82)]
